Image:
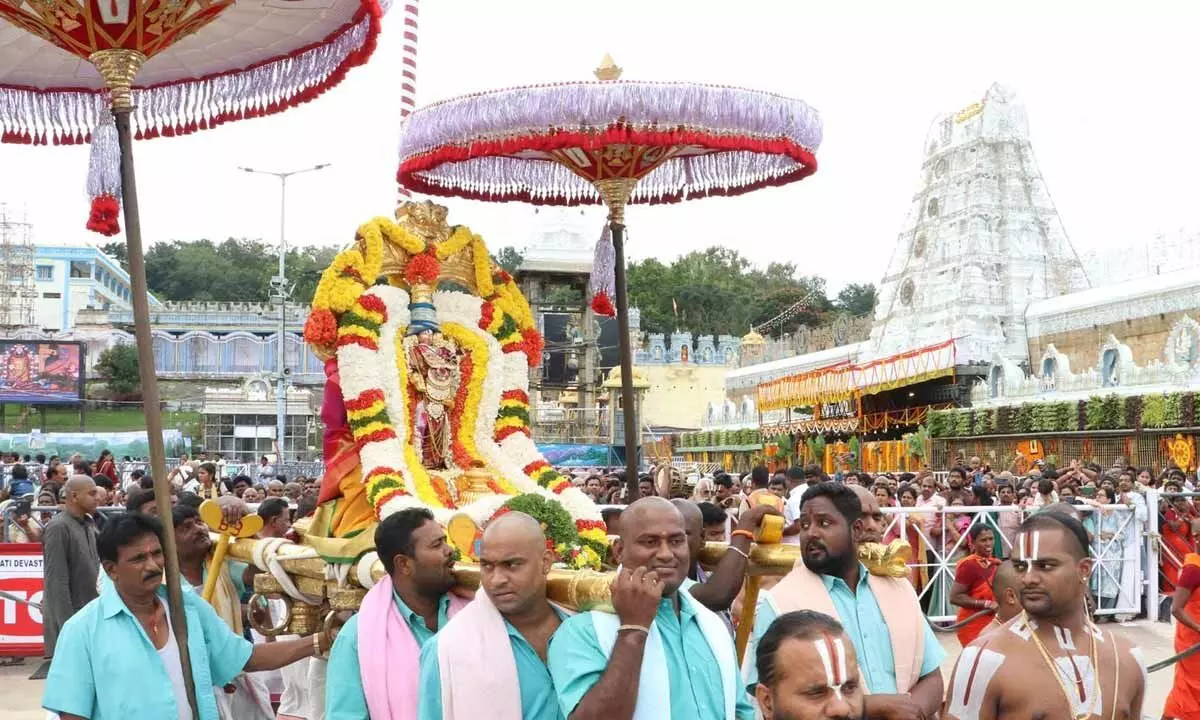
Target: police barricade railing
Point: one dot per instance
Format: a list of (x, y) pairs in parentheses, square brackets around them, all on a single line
[(937, 549)]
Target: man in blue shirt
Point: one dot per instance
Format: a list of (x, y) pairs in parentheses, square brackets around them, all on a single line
[(118, 657), (897, 652), (420, 562), (495, 649), (664, 656)]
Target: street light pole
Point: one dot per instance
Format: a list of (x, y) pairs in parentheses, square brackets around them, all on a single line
[(281, 291)]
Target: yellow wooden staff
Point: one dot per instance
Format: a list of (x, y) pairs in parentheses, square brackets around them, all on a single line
[(248, 526)]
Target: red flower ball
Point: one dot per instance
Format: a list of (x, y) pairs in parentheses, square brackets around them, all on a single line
[(321, 327), (423, 268), (602, 305)]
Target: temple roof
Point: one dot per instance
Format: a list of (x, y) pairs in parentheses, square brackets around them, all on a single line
[(562, 240)]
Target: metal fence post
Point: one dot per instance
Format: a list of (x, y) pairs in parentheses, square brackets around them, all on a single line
[(1150, 553)]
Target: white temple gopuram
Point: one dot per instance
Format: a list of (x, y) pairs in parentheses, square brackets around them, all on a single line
[(982, 240)]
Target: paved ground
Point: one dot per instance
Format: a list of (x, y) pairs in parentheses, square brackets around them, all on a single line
[(20, 697)]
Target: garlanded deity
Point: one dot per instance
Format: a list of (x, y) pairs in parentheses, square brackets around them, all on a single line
[(433, 362), (428, 347), (20, 369)]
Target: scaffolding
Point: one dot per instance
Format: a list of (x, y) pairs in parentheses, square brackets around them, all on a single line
[(17, 289)]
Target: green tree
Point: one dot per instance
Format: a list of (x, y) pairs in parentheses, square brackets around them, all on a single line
[(118, 367), (856, 299), (718, 291), (117, 251), (234, 270), (508, 258)]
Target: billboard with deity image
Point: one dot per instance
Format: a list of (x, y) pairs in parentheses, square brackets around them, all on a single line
[(40, 373)]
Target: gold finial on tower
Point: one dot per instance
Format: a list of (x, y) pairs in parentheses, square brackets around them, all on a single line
[(608, 70)]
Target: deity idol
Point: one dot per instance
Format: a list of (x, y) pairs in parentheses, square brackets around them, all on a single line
[(433, 363), (428, 347), (20, 369)]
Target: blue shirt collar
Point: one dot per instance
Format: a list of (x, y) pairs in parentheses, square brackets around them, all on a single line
[(831, 580), (111, 603), (514, 633), (410, 616)]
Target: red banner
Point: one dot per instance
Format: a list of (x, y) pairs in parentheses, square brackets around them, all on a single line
[(20, 577)]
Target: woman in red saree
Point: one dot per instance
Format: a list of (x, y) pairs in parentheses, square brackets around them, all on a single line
[(1184, 701), (972, 589), (1177, 517)]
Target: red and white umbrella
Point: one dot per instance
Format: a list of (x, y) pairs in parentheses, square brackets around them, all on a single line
[(613, 142), (184, 66), (109, 71)]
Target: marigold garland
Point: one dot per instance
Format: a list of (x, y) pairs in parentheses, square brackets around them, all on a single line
[(470, 390), (483, 267), (346, 308), (458, 240)]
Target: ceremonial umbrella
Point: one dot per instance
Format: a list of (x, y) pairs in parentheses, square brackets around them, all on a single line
[(612, 142), (164, 68)]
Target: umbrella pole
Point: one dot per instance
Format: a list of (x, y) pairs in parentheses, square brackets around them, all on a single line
[(118, 67), (616, 192)]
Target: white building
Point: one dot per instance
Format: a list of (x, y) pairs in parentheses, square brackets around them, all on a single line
[(981, 242), (71, 278)]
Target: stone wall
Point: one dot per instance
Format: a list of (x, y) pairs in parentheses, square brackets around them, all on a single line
[(1145, 336)]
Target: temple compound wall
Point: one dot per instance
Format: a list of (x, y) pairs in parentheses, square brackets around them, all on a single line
[(1141, 314)]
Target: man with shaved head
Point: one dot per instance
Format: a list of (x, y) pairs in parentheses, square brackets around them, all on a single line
[(717, 590), (69, 560), (873, 520), (663, 655), (490, 660), (1006, 586)]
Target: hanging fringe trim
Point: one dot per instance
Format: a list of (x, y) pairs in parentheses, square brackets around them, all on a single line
[(66, 116), (602, 282), (486, 170), (104, 177)]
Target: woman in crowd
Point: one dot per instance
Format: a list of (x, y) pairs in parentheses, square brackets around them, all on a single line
[(1177, 516), (106, 466), (884, 495), (1106, 581), (919, 574), (972, 589)]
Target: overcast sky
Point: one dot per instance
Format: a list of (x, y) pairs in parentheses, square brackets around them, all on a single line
[(1111, 96)]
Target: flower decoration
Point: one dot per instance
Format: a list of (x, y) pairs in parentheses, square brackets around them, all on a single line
[(602, 305), (321, 327), (422, 269), (561, 534), (364, 324)]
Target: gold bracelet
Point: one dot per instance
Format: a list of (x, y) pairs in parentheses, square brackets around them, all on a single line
[(636, 628), (316, 644), (739, 551)]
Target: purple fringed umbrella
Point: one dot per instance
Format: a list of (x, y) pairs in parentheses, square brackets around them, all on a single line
[(612, 142)]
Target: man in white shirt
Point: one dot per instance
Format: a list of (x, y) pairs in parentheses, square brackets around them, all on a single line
[(791, 510)]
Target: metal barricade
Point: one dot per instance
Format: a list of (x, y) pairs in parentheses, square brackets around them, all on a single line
[(1117, 576)]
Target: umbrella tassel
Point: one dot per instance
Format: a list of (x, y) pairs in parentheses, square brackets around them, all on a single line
[(603, 281), (104, 178)]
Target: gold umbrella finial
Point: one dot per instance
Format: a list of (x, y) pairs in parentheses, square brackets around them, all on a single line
[(608, 70), (118, 67)]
